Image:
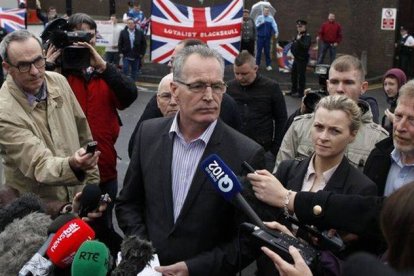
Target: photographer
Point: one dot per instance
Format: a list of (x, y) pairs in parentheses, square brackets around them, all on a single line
[(100, 89)]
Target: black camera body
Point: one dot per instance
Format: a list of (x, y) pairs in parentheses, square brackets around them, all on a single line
[(312, 98), (280, 242), (73, 57)]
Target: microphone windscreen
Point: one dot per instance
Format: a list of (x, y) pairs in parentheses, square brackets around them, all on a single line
[(92, 258), (19, 208), (67, 241), (136, 255), (221, 176), (89, 201), (20, 240)]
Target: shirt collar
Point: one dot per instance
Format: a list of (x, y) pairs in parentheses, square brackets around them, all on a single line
[(397, 158), (326, 174), (205, 136), (40, 96)]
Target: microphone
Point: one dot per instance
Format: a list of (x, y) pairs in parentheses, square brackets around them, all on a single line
[(38, 264), (92, 258), (67, 241), (226, 183), (136, 255), (20, 240), (19, 208), (89, 201)]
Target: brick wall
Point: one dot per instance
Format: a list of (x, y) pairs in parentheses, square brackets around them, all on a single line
[(360, 21)]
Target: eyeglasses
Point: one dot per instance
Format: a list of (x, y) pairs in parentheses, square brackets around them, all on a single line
[(201, 87), (165, 96), (24, 67)]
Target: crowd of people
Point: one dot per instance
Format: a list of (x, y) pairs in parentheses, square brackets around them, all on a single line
[(334, 167)]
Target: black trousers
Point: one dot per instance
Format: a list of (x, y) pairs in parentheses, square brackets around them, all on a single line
[(406, 64), (248, 45), (298, 76)]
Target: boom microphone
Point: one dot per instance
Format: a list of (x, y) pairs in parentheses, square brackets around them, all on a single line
[(19, 208), (136, 255), (92, 258), (226, 183), (67, 241)]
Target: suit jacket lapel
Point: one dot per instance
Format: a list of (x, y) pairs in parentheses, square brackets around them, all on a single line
[(165, 166), (199, 178), (295, 184), (337, 181)]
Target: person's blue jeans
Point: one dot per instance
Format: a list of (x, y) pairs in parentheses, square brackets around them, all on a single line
[(132, 65), (324, 48), (263, 43)]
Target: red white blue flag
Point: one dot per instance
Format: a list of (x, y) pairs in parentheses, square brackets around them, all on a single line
[(12, 19), (218, 26)]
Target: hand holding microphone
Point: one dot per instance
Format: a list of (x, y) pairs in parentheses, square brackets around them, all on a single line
[(90, 203)]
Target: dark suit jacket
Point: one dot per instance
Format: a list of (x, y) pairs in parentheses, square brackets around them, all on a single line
[(345, 180), (205, 233), (379, 162)]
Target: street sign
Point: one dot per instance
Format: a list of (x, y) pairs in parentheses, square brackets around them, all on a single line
[(388, 19)]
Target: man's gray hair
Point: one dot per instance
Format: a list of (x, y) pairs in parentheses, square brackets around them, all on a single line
[(167, 78), (19, 35), (200, 50)]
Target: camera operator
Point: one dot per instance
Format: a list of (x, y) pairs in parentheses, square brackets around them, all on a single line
[(100, 89)]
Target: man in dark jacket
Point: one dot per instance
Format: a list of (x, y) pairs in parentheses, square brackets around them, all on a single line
[(300, 50), (261, 104), (390, 163), (132, 46)]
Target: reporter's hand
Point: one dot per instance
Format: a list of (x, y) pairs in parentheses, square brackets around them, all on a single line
[(177, 269), (96, 60), (91, 215), (300, 268), (81, 160), (267, 188), (279, 227)]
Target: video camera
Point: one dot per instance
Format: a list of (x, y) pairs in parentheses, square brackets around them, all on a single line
[(312, 98), (58, 34)]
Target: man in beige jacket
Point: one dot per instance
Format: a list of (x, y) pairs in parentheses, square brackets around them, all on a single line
[(42, 127)]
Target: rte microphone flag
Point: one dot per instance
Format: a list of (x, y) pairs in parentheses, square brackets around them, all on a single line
[(92, 258)]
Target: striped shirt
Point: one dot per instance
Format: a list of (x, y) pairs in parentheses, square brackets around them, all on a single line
[(185, 159)]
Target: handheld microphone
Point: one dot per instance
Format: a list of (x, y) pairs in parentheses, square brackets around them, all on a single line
[(92, 258), (226, 183), (67, 241), (38, 264), (89, 201), (136, 255)]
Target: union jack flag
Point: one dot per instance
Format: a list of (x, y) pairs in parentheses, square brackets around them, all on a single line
[(12, 19), (218, 26)]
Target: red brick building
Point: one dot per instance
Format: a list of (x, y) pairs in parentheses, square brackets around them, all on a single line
[(361, 21)]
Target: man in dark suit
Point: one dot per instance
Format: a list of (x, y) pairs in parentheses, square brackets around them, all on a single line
[(166, 198)]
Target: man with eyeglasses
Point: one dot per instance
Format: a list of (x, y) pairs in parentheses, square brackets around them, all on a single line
[(42, 126), (166, 197), (228, 110), (261, 105)]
